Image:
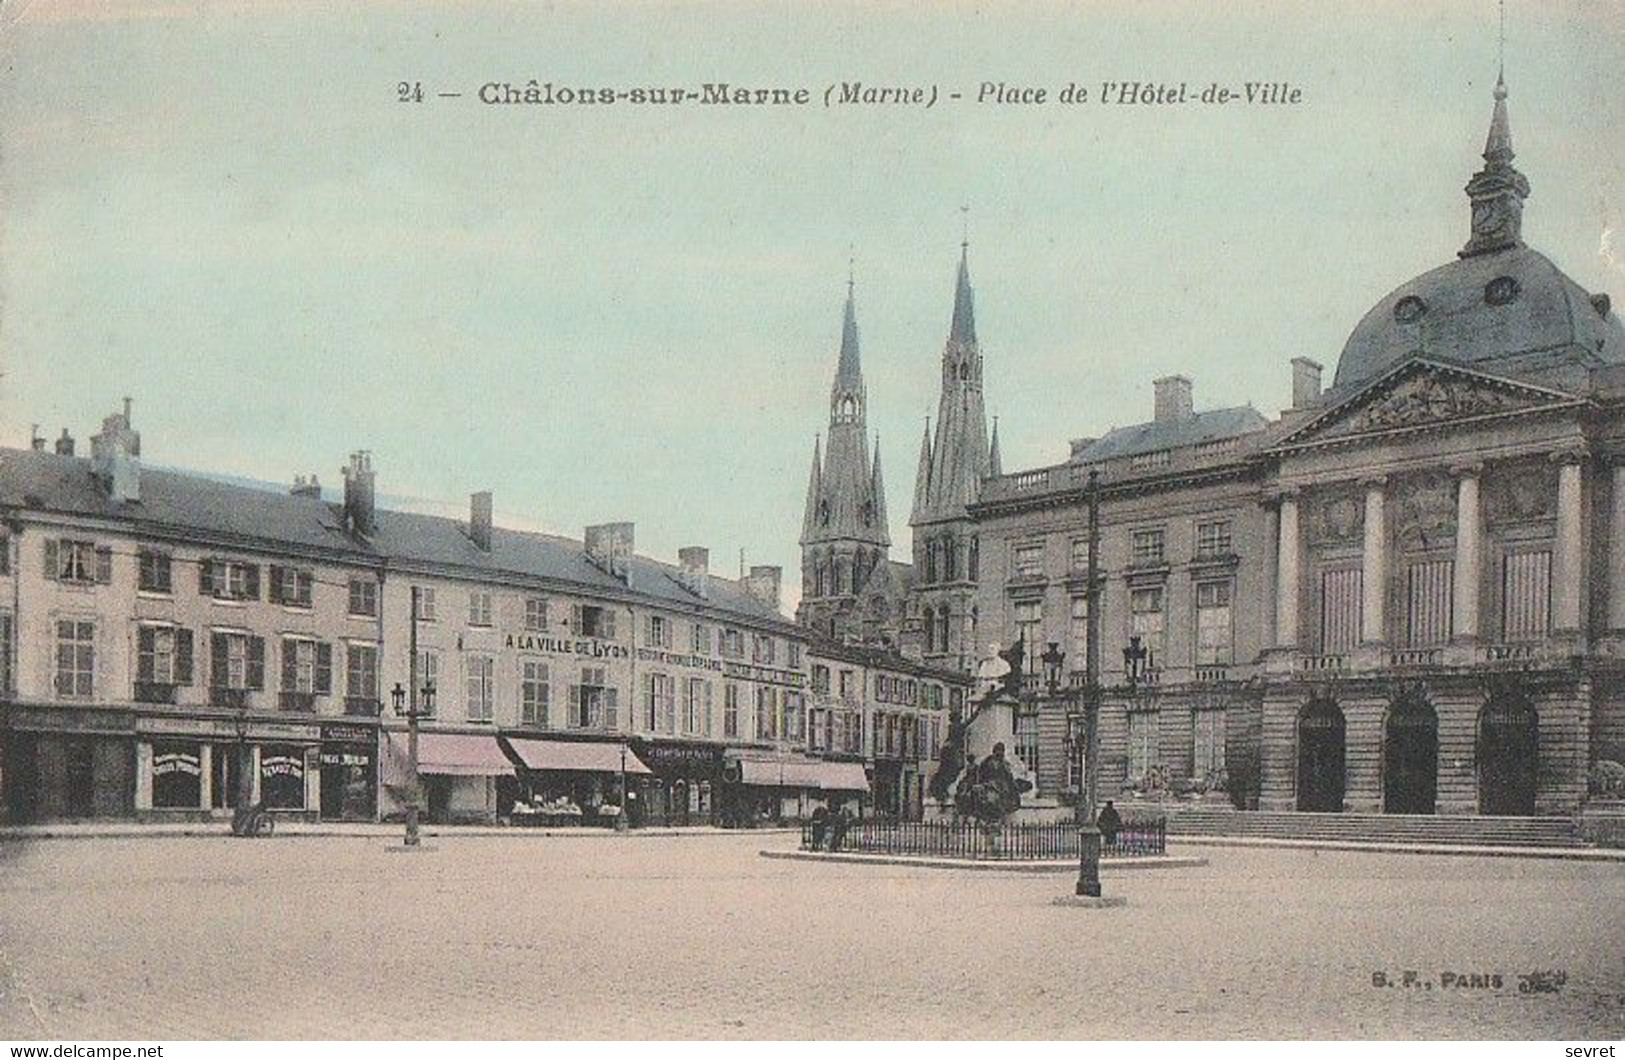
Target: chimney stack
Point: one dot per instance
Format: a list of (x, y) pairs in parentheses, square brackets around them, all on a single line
[(695, 564), (762, 585), (115, 457), (1173, 399), (303, 488), (359, 487), (64, 444), (479, 519), (1305, 382), (609, 547)]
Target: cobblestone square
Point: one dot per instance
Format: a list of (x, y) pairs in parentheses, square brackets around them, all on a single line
[(700, 936)]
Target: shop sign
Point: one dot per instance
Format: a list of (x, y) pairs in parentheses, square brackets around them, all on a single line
[(341, 758), (745, 671), (671, 658), (283, 765), (673, 757), (86, 720), (349, 734), (221, 727), (586, 649), (176, 762)]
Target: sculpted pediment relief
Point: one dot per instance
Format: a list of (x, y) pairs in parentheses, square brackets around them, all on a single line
[(1424, 394)]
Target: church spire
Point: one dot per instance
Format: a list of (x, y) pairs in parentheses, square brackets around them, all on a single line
[(877, 491), (964, 325), (922, 476), (815, 487), (1498, 190), (849, 374), (994, 463)]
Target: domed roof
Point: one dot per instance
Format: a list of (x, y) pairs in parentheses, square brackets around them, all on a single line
[(1511, 309), (1501, 306)]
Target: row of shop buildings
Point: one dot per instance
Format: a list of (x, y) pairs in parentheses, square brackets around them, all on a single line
[(168, 641)]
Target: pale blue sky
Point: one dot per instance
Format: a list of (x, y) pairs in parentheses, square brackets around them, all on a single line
[(219, 209)]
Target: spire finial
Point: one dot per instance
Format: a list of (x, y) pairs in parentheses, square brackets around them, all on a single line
[(851, 268), (964, 228), (1501, 56)]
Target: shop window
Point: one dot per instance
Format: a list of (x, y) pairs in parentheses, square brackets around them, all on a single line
[(363, 597), (154, 572), (481, 687), (177, 776), (535, 613), (534, 692), (479, 608), (291, 586), (282, 776)]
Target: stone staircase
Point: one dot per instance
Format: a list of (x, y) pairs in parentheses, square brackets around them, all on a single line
[(1373, 827)]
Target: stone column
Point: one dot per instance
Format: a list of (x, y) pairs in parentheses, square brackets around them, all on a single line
[(1616, 550), (1286, 572), (1374, 576), (1568, 590), (1469, 553)]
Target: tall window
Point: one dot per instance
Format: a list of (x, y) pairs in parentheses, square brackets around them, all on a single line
[(428, 676), (1526, 587), (659, 631), (659, 703), (1079, 650), (792, 649), (236, 661), (481, 687), (1146, 622), (730, 710), (973, 560), (1207, 756), (1147, 547), (291, 586), (69, 560), (701, 640), (763, 649), (795, 713), (156, 655), (1142, 742), (1026, 733), (766, 712), (593, 704), (1027, 561), (697, 707), (307, 666), (535, 613), (1213, 539), (1214, 637), (361, 672), (75, 659), (426, 608), (942, 629), (1029, 623), (153, 572), (1340, 610), (848, 686), (363, 597), (820, 677), (479, 608), (930, 624), (534, 692), (1428, 591), (594, 621), (950, 559)]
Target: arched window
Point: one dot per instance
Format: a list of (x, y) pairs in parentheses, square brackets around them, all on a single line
[(942, 631), (950, 559), (973, 560), (930, 561), (930, 630)]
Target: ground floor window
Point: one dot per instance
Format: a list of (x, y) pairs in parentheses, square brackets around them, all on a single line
[(1027, 739), (1207, 758), (177, 775), (1142, 743), (282, 776)]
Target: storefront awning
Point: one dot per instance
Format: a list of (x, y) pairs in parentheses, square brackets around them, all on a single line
[(582, 756), (803, 773), (452, 755)]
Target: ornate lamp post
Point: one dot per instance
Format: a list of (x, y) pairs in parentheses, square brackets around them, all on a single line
[(1088, 834), (621, 823), (422, 706)]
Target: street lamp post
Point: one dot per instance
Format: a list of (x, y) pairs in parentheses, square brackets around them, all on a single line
[(1088, 833), (621, 823), (422, 705)]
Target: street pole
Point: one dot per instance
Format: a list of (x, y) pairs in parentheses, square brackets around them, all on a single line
[(621, 823), (412, 839), (1089, 833)]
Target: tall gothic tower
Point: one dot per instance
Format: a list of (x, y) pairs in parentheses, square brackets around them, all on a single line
[(952, 466), (843, 533)]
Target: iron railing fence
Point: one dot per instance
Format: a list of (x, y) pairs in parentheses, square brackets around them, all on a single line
[(968, 840)]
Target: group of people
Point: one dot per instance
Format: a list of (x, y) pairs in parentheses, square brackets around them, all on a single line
[(829, 827)]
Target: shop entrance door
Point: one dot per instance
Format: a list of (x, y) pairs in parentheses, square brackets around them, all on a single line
[(22, 778), (1410, 758), (81, 777), (1507, 758), (1320, 757), (678, 814), (437, 794)]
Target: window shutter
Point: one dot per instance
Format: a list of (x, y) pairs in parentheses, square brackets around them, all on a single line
[(611, 711), (279, 584), (183, 656), (575, 618), (53, 560), (290, 665), (146, 638), (104, 566), (251, 581), (219, 654), (575, 705), (707, 687), (609, 624), (324, 668), (256, 663), (205, 577)]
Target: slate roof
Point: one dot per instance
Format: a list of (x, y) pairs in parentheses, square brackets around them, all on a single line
[(883, 658), (1149, 437), (181, 503)]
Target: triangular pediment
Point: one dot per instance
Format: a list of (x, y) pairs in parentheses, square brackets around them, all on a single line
[(1420, 395)]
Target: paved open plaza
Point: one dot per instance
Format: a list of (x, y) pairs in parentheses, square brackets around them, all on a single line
[(700, 936)]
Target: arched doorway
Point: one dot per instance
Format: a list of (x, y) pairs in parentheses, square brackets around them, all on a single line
[(679, 803), (1410, 755), (1320, 757), (1507, 750)]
